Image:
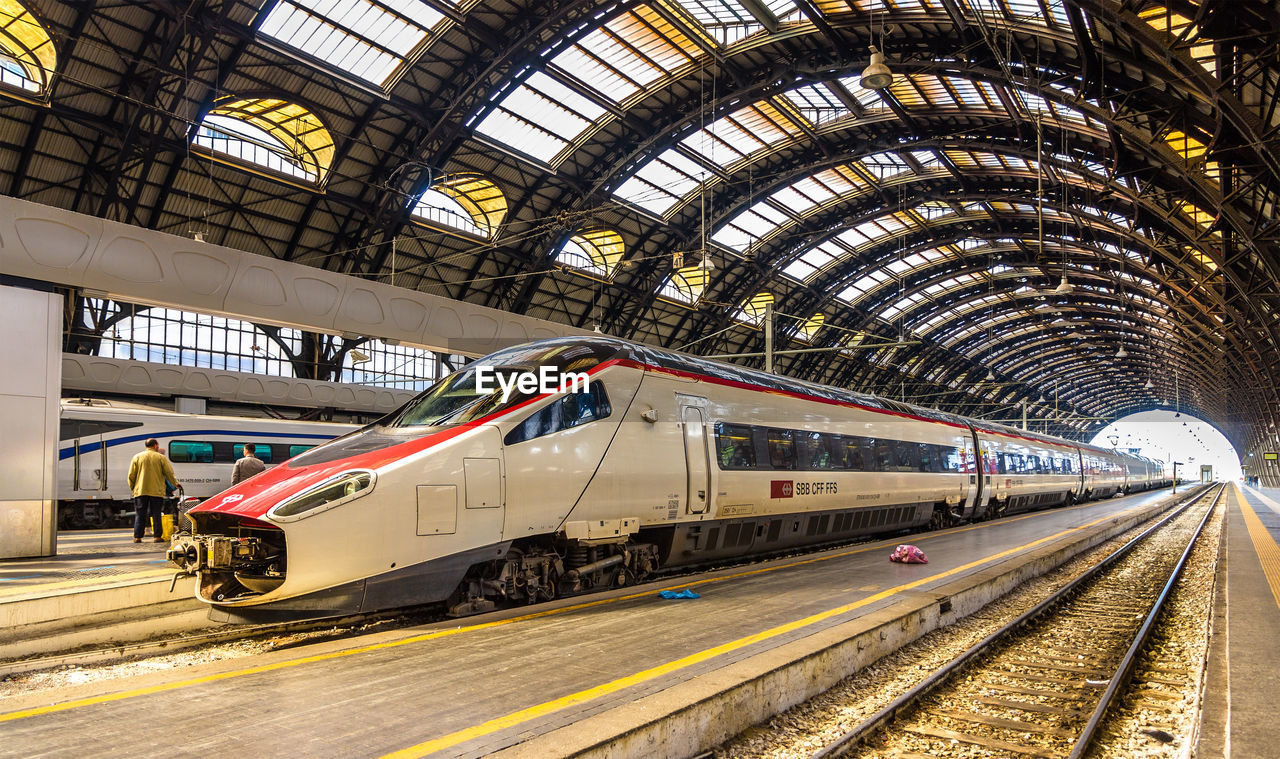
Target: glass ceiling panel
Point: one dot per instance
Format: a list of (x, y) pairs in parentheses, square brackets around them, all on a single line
[(814, 259), (882, 166), (628, 54), (817, 103), (540, 117), (728, 22), (768, 216), (661, 183), (742, 133), (367, 39)]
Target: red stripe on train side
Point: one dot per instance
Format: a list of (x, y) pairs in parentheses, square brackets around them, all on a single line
[(256, 496)]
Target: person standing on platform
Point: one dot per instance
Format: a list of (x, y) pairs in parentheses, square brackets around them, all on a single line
[(247, 466), (148, 472)]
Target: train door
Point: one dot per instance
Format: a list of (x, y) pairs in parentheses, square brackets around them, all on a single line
[(970, 459), (84, 476), (697, 458)]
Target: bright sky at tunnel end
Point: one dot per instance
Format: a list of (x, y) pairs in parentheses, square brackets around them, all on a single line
[(1168, 436)]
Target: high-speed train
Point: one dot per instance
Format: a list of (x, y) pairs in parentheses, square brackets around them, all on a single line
[(476, 493), (99, 437)]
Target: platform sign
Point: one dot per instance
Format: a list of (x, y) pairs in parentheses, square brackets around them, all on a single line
[(1270, 456)]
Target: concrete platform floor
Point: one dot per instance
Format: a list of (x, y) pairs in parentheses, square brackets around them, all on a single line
[(624, 673), (1242, 673)]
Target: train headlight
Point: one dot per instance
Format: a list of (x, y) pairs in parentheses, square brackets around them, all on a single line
[(334, 491)]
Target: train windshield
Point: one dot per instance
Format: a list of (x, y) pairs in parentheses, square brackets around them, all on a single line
[(497, 382)]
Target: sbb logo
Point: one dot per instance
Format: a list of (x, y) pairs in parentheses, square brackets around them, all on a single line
[(781, 489)]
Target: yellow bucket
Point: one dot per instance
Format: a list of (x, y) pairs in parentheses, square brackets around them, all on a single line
[(166, 523)]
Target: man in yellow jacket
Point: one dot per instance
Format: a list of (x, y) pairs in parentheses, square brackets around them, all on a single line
[(147, 474)]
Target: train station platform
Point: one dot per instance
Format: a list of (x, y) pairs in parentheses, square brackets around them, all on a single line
[(624, 673), (98, 581), (1239, 711)]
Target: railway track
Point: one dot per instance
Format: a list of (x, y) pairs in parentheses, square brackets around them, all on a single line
[(1040, 685)]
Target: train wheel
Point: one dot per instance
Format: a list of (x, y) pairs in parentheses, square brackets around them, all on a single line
[(941, 518)]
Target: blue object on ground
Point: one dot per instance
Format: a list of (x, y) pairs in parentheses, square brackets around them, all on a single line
[(686, 593)]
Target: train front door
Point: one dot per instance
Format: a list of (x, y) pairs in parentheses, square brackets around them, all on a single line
[(697, 458)]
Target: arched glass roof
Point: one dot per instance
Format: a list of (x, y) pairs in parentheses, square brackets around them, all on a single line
[(735, 132)]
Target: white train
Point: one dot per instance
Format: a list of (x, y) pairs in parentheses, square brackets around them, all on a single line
[(477, 498), (99, 437)]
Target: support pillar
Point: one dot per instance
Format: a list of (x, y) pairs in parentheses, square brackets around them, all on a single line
[(30, 385)]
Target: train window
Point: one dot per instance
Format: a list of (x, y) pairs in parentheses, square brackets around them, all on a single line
[(455, 399), (782, 449), (572, 410), (735, 447), (908, 456), (850, 453), (928, 457), (261, 450), (188, 452), (886, 459), (298, 450), (73, 428), (815, 452), (954, 460)]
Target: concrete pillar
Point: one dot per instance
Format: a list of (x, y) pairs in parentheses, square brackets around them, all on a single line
[(30, 383)]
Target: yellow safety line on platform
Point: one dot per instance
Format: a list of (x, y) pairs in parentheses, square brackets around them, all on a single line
[(1263, 544), (533, 712), (162, 687)]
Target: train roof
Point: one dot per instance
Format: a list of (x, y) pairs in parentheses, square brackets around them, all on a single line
[(681, 362)]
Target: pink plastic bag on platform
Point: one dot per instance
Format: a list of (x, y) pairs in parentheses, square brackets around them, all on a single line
[(908, 555)]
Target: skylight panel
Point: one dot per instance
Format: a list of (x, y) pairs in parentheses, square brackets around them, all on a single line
[(755, 223), (728, 22), (927, 159), (367, 39), (540, 117), (884, 165), (931, 211), (661, 183), (628, 54), (799, 269), (815, 259), (870, 100), (817, 103), (741, 133), (765, 218)]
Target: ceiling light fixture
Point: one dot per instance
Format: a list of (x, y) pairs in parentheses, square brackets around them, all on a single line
[(876, 76), (1148, 386), (1122, 353), (1064, 287)]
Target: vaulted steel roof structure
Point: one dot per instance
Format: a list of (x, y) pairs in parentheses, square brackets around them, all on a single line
[(1067, 203)]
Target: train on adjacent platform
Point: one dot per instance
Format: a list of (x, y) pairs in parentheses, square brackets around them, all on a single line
[(514, 493), (98, 438)]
